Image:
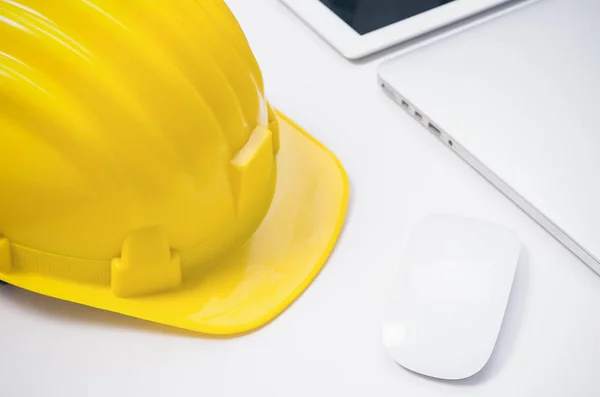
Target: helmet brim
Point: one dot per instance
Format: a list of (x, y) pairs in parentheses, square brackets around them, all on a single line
[(253, 284)]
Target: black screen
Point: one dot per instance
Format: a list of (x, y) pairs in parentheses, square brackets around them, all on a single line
[(365, 16)]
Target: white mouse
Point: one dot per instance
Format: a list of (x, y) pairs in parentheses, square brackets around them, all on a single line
[(450, 295)]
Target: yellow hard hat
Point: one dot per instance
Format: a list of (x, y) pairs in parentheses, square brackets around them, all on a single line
[(143, 172)]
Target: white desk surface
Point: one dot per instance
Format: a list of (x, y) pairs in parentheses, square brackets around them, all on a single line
[(328, 343)]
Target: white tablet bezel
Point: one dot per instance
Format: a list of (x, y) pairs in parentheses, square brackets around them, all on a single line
[(354, 46)]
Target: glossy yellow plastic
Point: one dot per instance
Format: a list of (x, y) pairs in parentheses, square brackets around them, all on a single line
[(143, 172)]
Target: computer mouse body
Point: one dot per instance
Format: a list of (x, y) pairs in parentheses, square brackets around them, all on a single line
[(450, 295)]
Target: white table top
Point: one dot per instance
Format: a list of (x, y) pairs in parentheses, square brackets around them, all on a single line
[(328, 342)]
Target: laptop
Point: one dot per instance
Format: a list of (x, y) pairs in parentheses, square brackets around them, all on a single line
[(517, 98)]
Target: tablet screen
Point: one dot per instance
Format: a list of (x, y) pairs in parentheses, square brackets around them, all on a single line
[(365, 16)]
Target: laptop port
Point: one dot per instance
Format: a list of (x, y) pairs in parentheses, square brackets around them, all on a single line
[(434, 129)]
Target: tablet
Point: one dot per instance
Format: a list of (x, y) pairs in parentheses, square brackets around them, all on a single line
[(357, 28)]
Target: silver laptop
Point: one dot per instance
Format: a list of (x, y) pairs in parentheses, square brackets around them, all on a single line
[(518, 98)]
